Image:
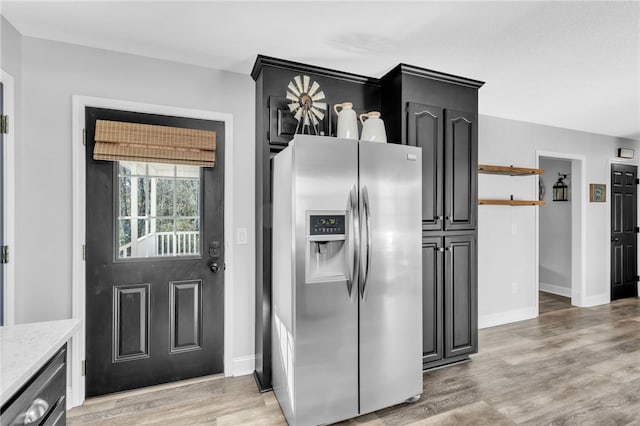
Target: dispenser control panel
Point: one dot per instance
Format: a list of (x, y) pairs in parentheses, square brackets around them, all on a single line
[(327, 225)]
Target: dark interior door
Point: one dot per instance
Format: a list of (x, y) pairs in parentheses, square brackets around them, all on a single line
[(624, 260), (155, 318)]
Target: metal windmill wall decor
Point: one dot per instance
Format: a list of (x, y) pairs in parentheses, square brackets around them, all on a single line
[(305, 103)]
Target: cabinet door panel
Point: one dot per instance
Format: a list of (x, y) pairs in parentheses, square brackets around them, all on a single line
[(431, 299), (424, 129), (461, 166), (460, 298)]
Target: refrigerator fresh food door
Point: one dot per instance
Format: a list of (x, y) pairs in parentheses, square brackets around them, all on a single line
[(391, 274), (326, 305)]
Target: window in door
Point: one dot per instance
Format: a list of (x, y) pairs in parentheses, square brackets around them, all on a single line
[(158, 210)]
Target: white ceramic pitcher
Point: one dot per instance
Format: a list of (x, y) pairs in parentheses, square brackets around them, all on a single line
[(347, 121), (373, 127)]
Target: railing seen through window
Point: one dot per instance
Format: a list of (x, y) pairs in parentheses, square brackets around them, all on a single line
[(158, 210)]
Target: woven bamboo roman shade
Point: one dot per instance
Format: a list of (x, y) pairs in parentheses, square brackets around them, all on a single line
[(120, 141)]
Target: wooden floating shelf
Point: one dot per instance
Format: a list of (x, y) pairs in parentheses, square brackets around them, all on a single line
[(510, 203), (508, 170)]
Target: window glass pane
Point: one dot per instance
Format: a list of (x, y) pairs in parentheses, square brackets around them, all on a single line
[(124, 198), (164, 197), (124, 238), (161, 169), (133, 168), (187, 194), (144, 191), (165, 237), (124, 169), (187, 171), (158, 212), (142, 229), (188, 236)]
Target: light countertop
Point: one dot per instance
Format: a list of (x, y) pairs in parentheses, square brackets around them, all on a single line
[(25, 348)]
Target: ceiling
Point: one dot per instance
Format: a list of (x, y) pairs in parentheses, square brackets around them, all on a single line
[(568, 64)]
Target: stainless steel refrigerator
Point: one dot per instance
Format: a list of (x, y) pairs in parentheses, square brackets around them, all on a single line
[(347, 278)]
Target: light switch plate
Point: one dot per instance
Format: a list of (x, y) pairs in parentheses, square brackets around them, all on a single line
[(241, 236)]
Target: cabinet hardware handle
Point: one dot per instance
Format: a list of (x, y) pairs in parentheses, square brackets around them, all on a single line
[(441, 249), (36, 410)]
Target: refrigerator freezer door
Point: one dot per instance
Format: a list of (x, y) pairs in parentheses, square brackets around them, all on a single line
[(326, 315), (390, 308)]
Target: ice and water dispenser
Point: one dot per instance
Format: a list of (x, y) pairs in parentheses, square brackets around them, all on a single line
[(326, 247)]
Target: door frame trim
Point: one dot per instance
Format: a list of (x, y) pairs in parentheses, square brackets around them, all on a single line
[(9, 197), (578, 228), (78, 278)]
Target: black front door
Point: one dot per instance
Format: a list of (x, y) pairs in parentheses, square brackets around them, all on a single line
[(624, 261), (154, 305)]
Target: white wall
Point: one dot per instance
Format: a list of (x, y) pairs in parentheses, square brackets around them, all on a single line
[(11, 51), (507, 235), (555, 230), (11, 66), (52, 73), (49, 73)]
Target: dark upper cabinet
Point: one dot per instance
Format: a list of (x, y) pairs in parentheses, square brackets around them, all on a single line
[(424, 130), (432, 289), (460, 296), (448, 139), (461, 166)]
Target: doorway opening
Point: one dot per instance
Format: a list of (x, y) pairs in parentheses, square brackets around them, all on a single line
[(560, 233), (554, 267)]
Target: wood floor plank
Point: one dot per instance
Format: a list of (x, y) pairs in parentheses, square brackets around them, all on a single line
[(569, 366)]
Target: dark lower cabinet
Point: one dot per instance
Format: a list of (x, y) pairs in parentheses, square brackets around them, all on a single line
[(450, 329), (460, 298), (432, 293), (42, 400)]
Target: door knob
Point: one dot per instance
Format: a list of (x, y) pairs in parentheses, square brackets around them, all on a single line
[(215, 267)]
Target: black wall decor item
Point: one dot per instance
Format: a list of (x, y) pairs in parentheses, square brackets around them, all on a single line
[(561, 189), (420, 107)]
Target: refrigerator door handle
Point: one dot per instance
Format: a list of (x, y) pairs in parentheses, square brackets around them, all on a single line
[(354, 235), (367, 231)]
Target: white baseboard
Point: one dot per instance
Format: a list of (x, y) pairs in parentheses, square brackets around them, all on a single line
[(599, 299), (491, 320), (555, 289), (243, 365)]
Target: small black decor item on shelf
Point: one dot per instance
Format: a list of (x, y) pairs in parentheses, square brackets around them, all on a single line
[(560, 189)]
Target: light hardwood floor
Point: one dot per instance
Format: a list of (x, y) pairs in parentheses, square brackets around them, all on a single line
[(549, 302), (576, 366)]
